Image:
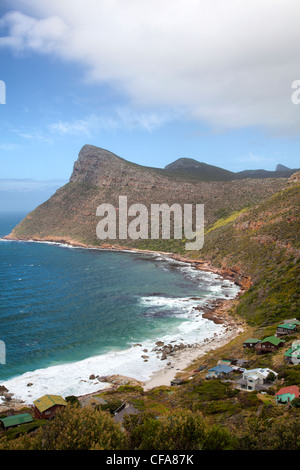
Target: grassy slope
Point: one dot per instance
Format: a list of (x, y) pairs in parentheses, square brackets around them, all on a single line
[(262, 242)]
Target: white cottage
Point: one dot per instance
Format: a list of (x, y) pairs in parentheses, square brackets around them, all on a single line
[(255, 379)]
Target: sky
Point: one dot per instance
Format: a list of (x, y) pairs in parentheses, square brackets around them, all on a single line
[(151, 81)]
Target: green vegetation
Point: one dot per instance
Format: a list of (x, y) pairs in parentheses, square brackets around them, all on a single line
[(72, 429), (23, 429), (85, 429), (223, 221), (253, 231), (263, 243)]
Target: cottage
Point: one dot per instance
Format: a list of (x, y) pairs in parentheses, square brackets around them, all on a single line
[(292, 355), (287, 394), (47, 406), (251, 342), (93, 401), (255, 379), (200, 368), (225, 362), (269, 344), (219, 372), (293, 321), (16, 420), (177, 382), (242, 363), (286, 329)]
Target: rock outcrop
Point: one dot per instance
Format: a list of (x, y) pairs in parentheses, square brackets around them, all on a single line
[(99, 176)]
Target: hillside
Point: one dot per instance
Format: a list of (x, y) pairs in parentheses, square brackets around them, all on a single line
[(251, 226), (100, 177), (263, 243), (191, 168), (252, 231)]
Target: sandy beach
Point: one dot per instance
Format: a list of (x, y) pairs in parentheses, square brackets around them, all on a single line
[(183, 359), (179, 360)]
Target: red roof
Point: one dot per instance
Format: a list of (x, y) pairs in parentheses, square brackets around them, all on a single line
[(293, 389)]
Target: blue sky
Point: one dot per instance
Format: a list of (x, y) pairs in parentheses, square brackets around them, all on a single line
[(149, 81)]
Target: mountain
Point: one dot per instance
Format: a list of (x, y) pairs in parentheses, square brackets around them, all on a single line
[(100, 176), (262, 242), (188, 167), (264, 174), (195, 169), (282, 168), (251, 226)]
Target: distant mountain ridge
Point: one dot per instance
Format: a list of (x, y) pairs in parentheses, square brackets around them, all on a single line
[(99, 176), (251, 226), (200, 170)]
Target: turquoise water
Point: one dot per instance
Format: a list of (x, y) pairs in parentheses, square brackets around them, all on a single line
[(61, 305)]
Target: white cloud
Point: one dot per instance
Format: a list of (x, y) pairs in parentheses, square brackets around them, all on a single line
[(230, 64), (9, 147), (121, 118)]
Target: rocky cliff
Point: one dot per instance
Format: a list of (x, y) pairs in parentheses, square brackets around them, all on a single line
[(99, 177)]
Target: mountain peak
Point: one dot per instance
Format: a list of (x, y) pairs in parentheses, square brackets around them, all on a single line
[(200, 169), (282, 167), (93, 163)]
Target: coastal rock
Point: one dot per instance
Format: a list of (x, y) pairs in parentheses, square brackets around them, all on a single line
[(118, 380), (210, 316), (7, 396), (3, 390)]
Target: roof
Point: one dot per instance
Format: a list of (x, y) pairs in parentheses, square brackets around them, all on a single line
[(222, 368), (15, 420), (292, 389), (177, 381), (252, 340), (293, 351), (293, 321), (259, 372), (47, 401), (272, 340), (287, 326)]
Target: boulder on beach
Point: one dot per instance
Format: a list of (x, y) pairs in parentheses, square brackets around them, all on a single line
[(119, 380)]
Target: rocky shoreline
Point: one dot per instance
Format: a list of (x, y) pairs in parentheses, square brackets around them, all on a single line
[(172, 352), (176, 357), (233, 274)]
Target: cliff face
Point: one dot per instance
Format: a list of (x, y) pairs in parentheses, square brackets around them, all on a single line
[(101, 168), (99, 177), (252, 225)]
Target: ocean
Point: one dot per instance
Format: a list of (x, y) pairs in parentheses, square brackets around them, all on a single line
[(67, 313)]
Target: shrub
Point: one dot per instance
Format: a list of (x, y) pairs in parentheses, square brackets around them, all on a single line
[(72, 399), (180, 430), (265, 434), (73, 428)]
